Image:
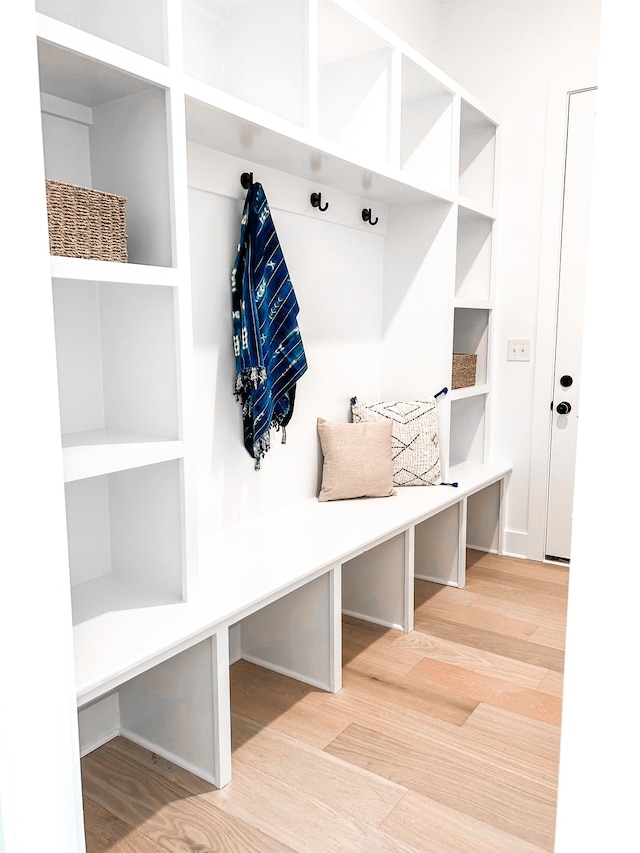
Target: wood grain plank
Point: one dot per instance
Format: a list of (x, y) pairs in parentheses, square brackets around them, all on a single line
[(525, 650), (473, 615), (435, 828), (164, 812), (343, 787), (519, 744), (552, 683), (509, 569), (473, 658), (547, 635), (105, 833), (489, 685), (284, 704), (503, 800)]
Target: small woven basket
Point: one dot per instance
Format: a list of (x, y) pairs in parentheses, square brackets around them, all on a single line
[(464, 370), (86, 223)]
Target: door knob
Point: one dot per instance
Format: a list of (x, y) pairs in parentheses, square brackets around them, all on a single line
[(563, 408)]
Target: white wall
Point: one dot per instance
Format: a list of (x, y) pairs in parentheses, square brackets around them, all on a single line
[(511, 55)]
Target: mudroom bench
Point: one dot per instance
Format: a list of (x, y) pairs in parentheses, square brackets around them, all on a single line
[(273, 591)]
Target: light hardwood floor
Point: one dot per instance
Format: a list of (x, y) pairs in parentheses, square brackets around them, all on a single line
[(445, 740)]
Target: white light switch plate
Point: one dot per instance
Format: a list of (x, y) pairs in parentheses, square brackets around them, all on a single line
[(519, 349)]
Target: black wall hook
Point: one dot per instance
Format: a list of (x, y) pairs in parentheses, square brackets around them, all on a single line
[(316, 201), (366, 216), (246, 179)]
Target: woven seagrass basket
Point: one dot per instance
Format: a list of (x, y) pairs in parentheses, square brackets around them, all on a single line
[(464, 370), (86, 223)]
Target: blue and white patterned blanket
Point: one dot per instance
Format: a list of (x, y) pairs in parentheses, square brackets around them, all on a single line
[(270, 357)]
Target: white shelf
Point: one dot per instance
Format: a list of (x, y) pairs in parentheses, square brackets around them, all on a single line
[(138, 26), (221, 123), (83, 269), (478, 390), (95, 452)]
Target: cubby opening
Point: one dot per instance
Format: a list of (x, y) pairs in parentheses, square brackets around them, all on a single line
[(139, 26), (426, 127), (473, 256), (295, 635), (467, 430), (438, 548), (116, 347), (170, 709), (483, 519), (477, 156), (471, 336), (374, 584), (107, 130), (125, 535), (255, 51), (354, 84)]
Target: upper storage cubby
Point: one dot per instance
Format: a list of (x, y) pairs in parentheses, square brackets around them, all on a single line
[(477, 156), (139, 26), (255, 50), (107, 129), (116, 354), (354, 85), (426, 127), (471, 329), (473, 256)]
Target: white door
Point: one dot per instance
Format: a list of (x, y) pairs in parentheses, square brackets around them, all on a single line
[(573, 262)]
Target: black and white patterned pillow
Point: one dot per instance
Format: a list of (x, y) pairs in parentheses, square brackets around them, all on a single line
[(414, 438)]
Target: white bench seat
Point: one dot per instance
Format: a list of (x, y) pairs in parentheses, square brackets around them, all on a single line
[(276, 576)]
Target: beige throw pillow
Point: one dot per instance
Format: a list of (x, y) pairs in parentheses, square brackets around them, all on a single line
[(357, 460)]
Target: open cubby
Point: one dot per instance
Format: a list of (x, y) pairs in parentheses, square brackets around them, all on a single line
[(473, 256), (106, 129), (471, 336), (354, 84), (116, 349), (426, 127), (484, 510), (374, 583), (467, 430), (255, 51), (438, 548), (125, 537), (138, 26), (477, 156)]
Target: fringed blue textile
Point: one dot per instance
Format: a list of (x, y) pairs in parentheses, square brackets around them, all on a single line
[(270, 357)]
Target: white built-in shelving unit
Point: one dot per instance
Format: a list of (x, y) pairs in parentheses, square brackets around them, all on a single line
[(161, 101)]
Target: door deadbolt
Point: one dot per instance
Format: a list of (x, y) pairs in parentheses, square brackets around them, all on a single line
[(566, 381), (563, 408)]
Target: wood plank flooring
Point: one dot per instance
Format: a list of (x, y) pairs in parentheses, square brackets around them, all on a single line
[(445, 740)]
